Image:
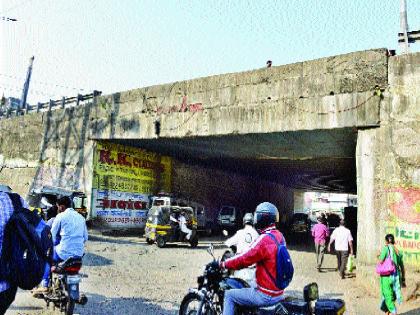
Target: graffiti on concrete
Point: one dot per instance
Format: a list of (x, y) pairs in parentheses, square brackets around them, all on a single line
[(183, 107), (404, 221), (404, 203), (130, 125)]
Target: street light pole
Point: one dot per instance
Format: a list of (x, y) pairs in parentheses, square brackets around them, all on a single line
[(405, 47)]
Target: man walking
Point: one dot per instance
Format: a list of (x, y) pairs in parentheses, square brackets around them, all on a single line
[(343, 241), (7, 290), (320, 234)]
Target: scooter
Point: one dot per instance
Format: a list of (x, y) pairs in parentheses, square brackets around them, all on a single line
[(208, 297)]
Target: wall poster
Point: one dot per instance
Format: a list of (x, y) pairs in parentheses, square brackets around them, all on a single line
[(123, 180)]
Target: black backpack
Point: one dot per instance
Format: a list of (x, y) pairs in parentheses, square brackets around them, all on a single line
[(27, 247)]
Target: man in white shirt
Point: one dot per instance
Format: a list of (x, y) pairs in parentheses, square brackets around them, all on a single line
[(69, 234), (183, 225), (243, 240), (343, 241)]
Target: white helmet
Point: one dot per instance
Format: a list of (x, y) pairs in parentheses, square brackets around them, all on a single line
[(248, 218)]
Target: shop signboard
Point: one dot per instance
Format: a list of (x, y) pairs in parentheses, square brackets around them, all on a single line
[(124, 179)]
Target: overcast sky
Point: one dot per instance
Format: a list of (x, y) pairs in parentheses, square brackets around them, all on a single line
[(116, 45)]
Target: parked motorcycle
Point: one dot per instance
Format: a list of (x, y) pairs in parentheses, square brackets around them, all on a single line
[(207, 298), (64, 292)]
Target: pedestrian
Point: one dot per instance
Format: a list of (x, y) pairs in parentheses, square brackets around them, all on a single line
[(7, 290), (343, 240), (320, 234), (391, 284)]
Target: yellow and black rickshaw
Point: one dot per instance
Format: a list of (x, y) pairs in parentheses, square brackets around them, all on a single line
[(164, 225), (43, 198)]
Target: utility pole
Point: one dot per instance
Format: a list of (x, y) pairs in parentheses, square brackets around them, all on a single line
[(26, 85), (404, 45)]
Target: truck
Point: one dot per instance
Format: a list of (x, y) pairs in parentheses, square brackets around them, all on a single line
[(230, 218)]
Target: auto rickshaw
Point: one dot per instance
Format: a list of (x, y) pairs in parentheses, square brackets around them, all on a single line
[(162, 226), (46, 196)]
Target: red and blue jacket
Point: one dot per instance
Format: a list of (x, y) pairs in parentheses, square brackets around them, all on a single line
[(263, 253)]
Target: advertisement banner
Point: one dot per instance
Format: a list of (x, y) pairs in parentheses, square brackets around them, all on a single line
[(121, 209), (404, 221), (123, 180)]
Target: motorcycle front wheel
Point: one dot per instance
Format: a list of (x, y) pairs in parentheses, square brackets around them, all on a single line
[(190, 306)]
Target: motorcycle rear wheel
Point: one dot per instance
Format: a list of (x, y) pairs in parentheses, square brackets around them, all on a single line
[(190, 304), (70, 307)]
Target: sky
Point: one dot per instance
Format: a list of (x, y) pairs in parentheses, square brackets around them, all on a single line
[(117, 45)]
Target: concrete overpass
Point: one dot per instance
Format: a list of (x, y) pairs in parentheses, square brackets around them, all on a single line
[(345, 123)]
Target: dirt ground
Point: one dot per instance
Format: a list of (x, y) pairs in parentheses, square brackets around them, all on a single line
[(127, 277)]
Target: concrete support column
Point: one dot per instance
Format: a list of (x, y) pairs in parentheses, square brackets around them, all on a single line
[(368, 233)]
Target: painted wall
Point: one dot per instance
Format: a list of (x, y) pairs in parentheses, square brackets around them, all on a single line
[(123, 180), (404, 221)]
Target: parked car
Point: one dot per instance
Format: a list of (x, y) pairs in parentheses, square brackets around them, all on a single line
[(230, 218), (333, 220), (300, 223)]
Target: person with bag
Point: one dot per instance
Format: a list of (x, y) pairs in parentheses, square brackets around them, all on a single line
[(392, 276), (274, 269), (343, 242), (69, 235), (7, 289)]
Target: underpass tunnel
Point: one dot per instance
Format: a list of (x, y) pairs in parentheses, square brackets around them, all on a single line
[(242, 170)]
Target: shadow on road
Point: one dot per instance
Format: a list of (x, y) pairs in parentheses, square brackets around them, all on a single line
[(91, 259), (25, 308), (114, 240), (99, 304), (412, 312)]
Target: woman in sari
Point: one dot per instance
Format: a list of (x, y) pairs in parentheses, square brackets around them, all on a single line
[(391, 285)]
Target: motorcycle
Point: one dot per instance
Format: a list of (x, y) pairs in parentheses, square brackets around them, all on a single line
[(64, 291), (207, 298)]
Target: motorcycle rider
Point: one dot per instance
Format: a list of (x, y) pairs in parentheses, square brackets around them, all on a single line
[(262, 253), (243, 240), (69, 234)]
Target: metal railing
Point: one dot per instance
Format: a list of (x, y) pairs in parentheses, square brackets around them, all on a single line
[(47, 106)]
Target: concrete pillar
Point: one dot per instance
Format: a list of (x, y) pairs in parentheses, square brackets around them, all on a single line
[(387, 161), (368, 233)]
